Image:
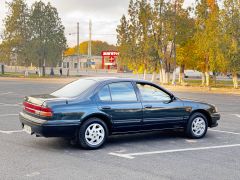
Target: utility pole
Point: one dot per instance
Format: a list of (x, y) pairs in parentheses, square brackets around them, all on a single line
[(90, 40), (78, 49)]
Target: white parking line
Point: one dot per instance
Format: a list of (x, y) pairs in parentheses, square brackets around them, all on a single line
[(238, 115), (11, 132), (5, 115), (131, 155), (5, 104), (5, 93), (228, 132)]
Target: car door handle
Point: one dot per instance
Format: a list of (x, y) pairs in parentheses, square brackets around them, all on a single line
[(148, 106), (105, 107)]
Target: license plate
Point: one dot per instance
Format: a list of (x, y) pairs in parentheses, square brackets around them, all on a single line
[(27, 129)]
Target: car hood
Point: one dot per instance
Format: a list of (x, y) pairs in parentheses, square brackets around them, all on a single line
[(197, 104)]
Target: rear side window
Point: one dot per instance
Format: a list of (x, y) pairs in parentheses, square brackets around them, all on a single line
[(104, 94), (122, 91), (74, 89)]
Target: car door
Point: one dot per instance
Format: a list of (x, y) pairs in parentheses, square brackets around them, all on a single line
[(120, 101), (159, 109)]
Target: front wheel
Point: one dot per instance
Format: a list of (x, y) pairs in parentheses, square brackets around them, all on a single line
[(93, 133), (197, 126)]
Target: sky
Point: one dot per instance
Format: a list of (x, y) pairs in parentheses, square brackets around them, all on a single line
[(104, 14)]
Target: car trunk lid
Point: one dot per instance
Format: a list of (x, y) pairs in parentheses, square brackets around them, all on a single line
[(40, 105)]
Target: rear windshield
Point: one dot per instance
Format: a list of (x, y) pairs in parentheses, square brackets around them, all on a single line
[(74, 89)]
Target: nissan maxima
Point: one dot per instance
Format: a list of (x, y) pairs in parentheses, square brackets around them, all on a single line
[(90, 109)]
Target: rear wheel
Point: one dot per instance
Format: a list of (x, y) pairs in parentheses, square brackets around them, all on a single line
[(197, 126), (93, 133)]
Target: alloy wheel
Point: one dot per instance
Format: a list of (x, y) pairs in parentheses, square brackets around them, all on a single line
[(94, 134), (198, 126)]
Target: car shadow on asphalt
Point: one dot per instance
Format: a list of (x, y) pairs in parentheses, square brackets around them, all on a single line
[(145, 137), (113, 141)]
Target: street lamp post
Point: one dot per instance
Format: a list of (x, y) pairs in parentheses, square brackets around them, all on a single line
[(78, 50)]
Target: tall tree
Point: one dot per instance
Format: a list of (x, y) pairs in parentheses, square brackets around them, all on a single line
[(48, 39), (231, 28), (122, 42), (144, 23), (163, 34), (208, 38), (16, 33)]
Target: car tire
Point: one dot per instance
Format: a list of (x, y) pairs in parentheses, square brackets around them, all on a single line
[(197, 126), (92, 134)]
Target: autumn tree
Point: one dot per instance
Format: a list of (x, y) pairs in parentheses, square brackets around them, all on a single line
[(17, 35), (97, 48), (48, 39), (33, 36), (123, 41), (231, 28), (208, 39), (183, 39)]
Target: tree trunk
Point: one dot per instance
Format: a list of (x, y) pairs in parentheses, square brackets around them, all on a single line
[(160, 76), (174, 77), (26, 72), (181, 75), (235, 80), (207, 79), (144, 74), (153, 77), (39, 72), (163, 76), (137, 75), (203, 79), (167, 76), (215, 78)]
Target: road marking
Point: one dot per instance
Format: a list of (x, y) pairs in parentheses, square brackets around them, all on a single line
[(5, 93), (229, 132), (4, 115), (5, 104), (11, 132), (33, 174), (191, 140), (131, 155), (238, 115)]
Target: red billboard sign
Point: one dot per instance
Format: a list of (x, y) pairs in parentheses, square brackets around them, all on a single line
[(111, 58)]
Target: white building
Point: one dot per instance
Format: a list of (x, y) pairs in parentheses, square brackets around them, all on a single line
[(83, 61)]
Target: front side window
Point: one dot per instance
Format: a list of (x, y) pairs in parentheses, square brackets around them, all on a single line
[(104, 94), (151, 93), (122, 91)]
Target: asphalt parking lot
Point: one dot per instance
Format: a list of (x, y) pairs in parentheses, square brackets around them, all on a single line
[(156, 155)]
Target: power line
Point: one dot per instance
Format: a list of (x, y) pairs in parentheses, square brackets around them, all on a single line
[(93, 34)]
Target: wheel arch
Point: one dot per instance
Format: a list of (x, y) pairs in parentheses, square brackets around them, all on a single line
[(103, 117), (205, 113)]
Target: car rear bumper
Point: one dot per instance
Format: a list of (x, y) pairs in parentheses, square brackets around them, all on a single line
[(215, 118), (51, 128)]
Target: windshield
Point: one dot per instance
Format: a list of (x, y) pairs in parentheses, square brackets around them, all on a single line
[(74, 88)]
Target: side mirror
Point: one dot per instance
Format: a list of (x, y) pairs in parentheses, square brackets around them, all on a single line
[(172, 97)]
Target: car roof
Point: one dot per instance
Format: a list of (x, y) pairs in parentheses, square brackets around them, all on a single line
[(115, 79)]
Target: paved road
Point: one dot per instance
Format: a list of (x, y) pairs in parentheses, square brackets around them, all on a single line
[(156, 155)]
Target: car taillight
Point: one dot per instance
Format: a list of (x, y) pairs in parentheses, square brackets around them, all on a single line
[(39, 110)]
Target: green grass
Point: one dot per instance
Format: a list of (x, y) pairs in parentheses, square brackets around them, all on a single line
[(217, 84), (20, 75)]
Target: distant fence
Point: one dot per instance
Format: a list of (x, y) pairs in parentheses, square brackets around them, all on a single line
[(72, 72)]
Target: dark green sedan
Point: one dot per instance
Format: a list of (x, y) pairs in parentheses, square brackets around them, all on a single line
[(90, 109)]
